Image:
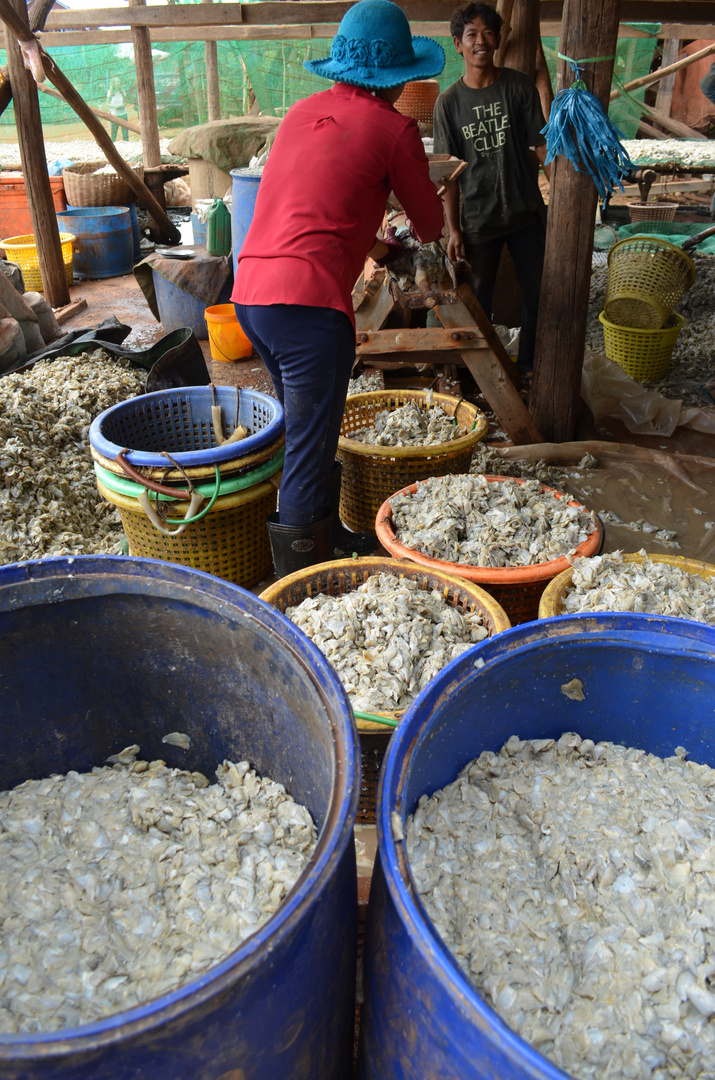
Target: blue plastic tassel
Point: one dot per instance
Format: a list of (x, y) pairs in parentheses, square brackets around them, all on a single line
[(580, 130)]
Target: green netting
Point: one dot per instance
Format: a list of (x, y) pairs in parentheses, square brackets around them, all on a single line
[(634, 57)]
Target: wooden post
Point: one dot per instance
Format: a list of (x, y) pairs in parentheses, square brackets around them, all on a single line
[(588, 29), (524, 37), (146, 93), (213, 96), (34, 167), (664, 97), (504, 8), (38, 16)]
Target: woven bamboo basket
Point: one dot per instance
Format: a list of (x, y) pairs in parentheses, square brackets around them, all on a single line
[(84, 186), (372, 473), (553, 595), (418, 100), (647, 276), (230, 542), (517, 589), (344, 576), (652, 211)]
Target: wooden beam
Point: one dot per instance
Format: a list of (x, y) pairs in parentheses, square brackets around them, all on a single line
[(656, 76), (97, 112), (675, 127), (146, 94), (589, 30), (525, 40), (34, 163), (504, 8), (664, 97), (213, 92)]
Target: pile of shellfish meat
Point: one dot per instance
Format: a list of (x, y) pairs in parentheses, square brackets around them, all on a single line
[(120, 885), (388, 638), (366, 383), (470, 519), (574, 884), (410, 425), (49, 502), (606, 583)]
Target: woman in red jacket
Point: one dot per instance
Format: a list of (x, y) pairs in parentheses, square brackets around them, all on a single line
[(321, 200)]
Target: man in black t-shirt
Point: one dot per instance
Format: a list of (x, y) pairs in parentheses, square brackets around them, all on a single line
[(492, 118)]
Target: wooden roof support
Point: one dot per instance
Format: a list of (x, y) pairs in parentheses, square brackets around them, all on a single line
[(588, 30), (525, 38), (34, 167), (146, 93), (18, 28), (213, 94)]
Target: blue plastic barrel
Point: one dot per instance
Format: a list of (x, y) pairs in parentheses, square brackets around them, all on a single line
[(178, 307), (104, 246), (243, 203), (136, 234), (102, 652), (648, 683)]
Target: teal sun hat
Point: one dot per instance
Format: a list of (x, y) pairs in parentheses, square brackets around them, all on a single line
[(374, 48)]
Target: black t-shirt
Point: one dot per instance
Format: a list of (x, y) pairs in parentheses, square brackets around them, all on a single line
[(492, 129)]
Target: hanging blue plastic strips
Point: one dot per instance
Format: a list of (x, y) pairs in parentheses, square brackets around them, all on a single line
[(580, 130)]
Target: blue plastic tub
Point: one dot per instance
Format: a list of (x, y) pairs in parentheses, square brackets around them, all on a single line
[(648, 683), (243, 204), (178, 307), (104, 246), (134, 221), (179, 421), (102, 652)]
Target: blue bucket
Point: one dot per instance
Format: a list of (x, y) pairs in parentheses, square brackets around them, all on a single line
[(134, 220), (243, 203), (178, 307), (104, 246), (648, 683), (131, 650)]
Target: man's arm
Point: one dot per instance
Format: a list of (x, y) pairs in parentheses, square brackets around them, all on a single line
[(541, 152), (455, 243)]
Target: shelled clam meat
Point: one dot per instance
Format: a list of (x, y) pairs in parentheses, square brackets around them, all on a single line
[(470, 519), (388, 638), (607, 583), (410, 425), (366, 382), (122, 884), (585, 919), (49, 502)]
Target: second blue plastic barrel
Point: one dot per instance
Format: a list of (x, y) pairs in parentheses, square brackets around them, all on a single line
[(243, 203), (648, 683), (104, 244), (102, 652), (178, 307)]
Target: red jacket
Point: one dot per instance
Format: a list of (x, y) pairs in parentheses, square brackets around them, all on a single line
[(321, 199)]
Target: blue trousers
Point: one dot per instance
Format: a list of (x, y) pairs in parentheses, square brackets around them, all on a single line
[(309, 353), (526, 248)]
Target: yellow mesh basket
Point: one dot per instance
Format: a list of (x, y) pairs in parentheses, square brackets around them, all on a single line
[(551, 602), (231, 541), (23, 251), (647, 276), (372, 473), (643, 354)]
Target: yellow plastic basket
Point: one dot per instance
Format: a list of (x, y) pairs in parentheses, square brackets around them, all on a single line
[(231, 541), (551, 602), (23, 251), (647, 276), (643, 354), (372, 473)]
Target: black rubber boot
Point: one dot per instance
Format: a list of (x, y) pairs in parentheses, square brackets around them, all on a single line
[(295, 547), (345, 542)]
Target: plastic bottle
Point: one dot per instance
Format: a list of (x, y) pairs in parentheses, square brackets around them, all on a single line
[(218, 229)]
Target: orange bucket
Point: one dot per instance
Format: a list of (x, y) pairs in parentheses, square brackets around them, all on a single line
[(227, 340)]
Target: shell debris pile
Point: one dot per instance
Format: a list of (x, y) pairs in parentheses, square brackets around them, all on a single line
[(49, 502), (472, 520), (586, 921), (120, 885), (410, 425), (366, 383), (606, 583), (388, 638)]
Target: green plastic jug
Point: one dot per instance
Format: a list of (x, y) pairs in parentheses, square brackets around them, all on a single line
[(218, 229)]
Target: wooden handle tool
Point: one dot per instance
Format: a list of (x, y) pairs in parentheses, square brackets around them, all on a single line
[(453, 176)]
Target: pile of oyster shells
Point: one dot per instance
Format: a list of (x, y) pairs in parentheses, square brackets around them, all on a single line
[(410, 425), (366, 383), (49, 502), (123, 884), (606, 583), (586, 920), (388, 638), (470, 519)]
